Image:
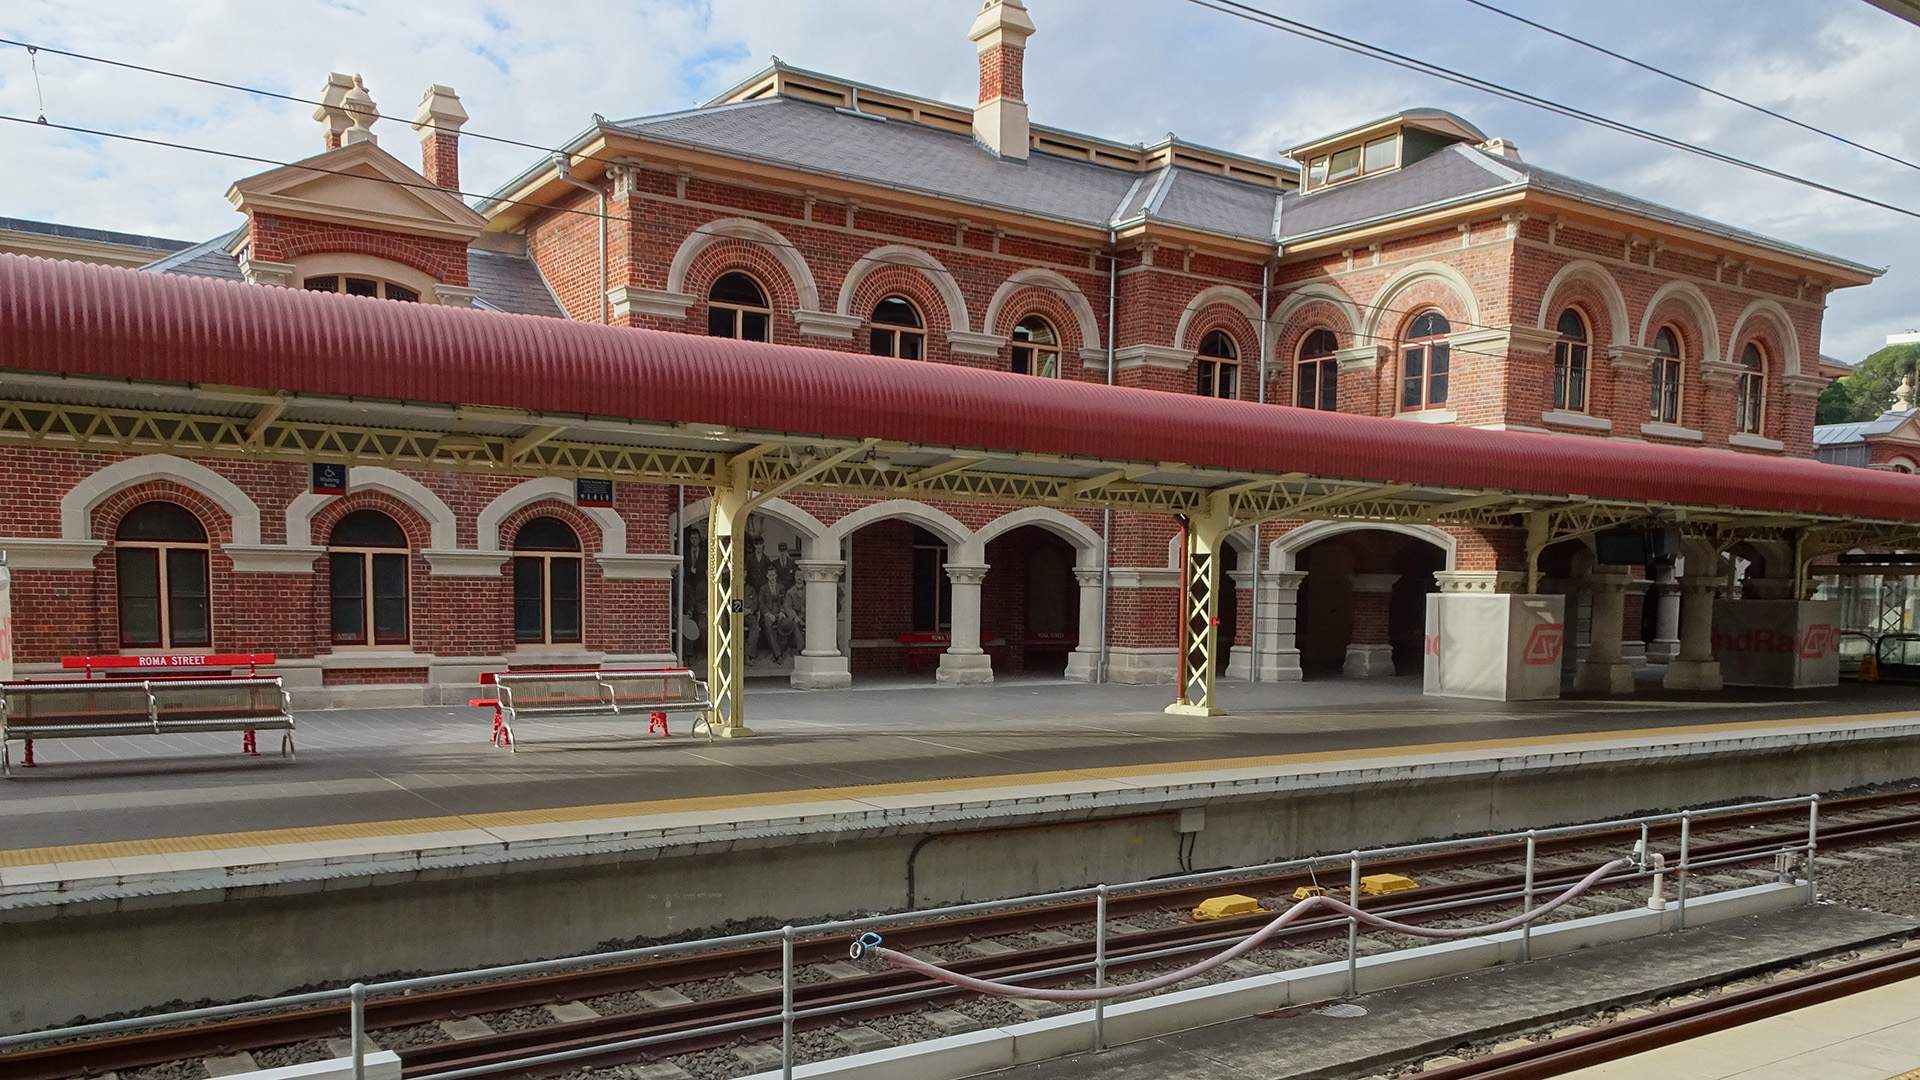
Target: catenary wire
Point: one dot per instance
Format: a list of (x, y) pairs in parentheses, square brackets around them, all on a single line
[(1261, 17), (1684, 81), (1356, 333)]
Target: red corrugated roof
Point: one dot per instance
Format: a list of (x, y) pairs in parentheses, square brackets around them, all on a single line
[(62, 317)]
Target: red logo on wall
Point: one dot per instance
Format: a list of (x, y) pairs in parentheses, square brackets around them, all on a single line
[(1543, 645), (1820, 640)]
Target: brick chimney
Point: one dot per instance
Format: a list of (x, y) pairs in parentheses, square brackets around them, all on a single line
[(1000, 32), (438, 121)]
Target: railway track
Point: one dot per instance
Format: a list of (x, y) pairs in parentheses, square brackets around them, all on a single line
[(1859, 820), (1620, 1039)]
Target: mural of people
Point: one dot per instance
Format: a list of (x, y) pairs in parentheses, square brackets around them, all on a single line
[(770, 588)]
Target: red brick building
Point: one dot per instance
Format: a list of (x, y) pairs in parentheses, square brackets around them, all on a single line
[(1410, 268)]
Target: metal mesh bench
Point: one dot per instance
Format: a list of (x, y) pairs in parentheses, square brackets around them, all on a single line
[(591, 693), (95, 708)]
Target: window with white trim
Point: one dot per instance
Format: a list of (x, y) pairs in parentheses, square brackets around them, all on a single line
[(1750, 391), (1218, 372), (737, 308), (160, 578), (1663, 377), (1036, 348), (1425, 363), (367, 580), (357, 285), (1316, 375), (1570, 361), (898, 330), (547, 565)]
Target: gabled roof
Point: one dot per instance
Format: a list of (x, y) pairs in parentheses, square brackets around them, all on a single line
[(359, 184), (1859, 431), (1435, 120)]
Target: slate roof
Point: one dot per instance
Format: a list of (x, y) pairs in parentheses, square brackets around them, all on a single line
[(500, 281), (925, 160), (157, 244), (1859, 430)]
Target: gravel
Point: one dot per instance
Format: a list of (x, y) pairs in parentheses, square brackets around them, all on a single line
[(1891, 885), (406, 1037), (298, 1054)]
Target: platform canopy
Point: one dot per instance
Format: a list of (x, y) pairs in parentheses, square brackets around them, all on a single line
[(104, 358)]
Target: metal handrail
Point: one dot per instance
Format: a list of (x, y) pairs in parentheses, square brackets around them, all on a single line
[(358, 994)]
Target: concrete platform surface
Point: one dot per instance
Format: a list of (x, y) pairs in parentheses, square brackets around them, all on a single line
[(362, 775), (1873, 1035), (1425, 1019)]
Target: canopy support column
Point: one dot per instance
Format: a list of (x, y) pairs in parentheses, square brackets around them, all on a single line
[(1205, 535), (726, 602)]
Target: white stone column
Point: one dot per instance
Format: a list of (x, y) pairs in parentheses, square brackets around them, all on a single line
[(1083, 663), (1368, 658), (1239, 657), (1666, 616), (6, 619), (821, 665), (1279, 625), (964, 663), (1605, 669), (1695, 668)]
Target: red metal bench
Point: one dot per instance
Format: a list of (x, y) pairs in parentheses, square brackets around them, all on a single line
[(157, 694), (589, 692)]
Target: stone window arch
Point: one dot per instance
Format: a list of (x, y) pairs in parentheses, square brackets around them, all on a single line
[(162, 580)]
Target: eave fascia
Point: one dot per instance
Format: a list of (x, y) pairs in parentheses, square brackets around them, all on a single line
[(1347, 236), (1839, 274), (1144, 230)]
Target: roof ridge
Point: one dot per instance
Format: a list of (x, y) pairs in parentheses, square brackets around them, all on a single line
[(188, 254), (1491, 163)]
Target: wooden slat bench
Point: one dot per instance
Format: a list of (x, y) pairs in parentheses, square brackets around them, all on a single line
[(94, 708), (590, 692)]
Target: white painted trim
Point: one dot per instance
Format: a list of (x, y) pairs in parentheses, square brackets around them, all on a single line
[(80, 501), (803, 522), (1383, 303), (1671, 431), (628, 300), (613, 528), (1285, 549), (1429, 416), (272, 558), (1153, 356), (931, 268), (936, 521), (1086, 542), (467, 564), (1322, 292), (440, 518), (825, 324), (1235, 298), (753, 232), (1569, 418), (37, 553), (638, 567), (1593, 274), (321, 264), (1702, 308), (961, 343), (1039, 277), (1746, 441), (1773, 310)]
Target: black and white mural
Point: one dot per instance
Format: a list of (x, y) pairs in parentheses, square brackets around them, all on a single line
[(776, 597)]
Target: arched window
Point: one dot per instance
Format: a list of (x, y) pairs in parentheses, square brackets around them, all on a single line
[(160, 563), (1036, 348), (1219, 369), (355, 285), (737, 308), (546, 583), (1570, 355), (1750, 391), (1316, 376), (1424, 360), (367, 579), (1663, 377), (898, 330)]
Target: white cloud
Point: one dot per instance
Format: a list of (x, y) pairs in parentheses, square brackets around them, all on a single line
[(1126, 69)]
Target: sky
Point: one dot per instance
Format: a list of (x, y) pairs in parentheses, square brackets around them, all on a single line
[(1131, 70)]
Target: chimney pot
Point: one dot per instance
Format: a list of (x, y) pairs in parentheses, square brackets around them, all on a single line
[(438, 121), (1000, 33)]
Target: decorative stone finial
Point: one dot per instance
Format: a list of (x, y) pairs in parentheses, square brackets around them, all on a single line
[(1502, 148), (361, 113), (330, 112), (1903, 395)]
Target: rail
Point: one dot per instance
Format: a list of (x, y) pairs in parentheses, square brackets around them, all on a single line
[(358, 994)]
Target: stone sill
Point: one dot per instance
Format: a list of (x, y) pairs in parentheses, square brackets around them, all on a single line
[(1659, 430), (1429, 416), (1754, 442), (1567, 418)]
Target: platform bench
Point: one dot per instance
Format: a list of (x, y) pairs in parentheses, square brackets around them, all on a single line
[(590, 692), (96, 708)]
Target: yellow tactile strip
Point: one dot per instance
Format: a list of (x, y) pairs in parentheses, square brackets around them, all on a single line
[(176, 845)]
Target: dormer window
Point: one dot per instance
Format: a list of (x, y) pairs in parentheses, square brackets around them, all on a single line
[(1360, 159), (1344, 164), (354, 285)]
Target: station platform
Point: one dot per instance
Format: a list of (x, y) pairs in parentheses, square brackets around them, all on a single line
[(369, 783)]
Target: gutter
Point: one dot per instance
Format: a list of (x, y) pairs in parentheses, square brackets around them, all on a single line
[(1106, 513)]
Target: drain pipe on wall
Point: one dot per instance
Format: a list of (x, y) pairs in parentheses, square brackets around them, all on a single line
[(1253, 639), (566, 173), (1106, 515)]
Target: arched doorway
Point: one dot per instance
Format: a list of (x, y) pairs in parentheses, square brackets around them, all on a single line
[(1030, 603), (900, 596), (1361, 609)]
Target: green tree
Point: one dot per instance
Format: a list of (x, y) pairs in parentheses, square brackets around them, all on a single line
[(1868, 391)]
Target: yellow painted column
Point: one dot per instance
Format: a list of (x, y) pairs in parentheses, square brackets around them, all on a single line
[(1200, 579), (726, 605)]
